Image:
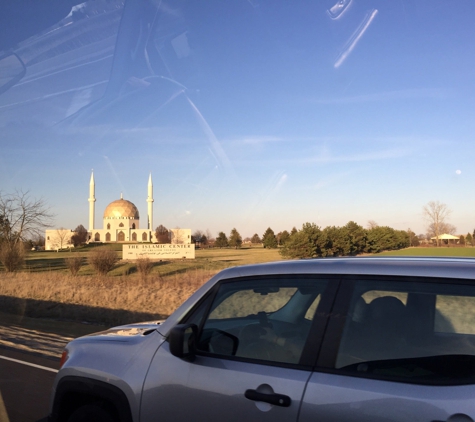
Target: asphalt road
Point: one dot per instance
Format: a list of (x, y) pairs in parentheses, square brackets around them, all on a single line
[(26, 380)]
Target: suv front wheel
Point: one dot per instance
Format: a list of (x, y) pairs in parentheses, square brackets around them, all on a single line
[(91, 413)]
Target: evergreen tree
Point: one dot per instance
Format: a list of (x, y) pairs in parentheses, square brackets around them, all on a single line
[(284, 236), (235, 239), (256, 238), (80, 236), (221, 240), (305, 243), (334, 242), (162, 234), (356, 238), (268, 239), (468, 239)]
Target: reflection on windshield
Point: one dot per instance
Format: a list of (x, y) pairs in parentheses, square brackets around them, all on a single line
[(265, 113)]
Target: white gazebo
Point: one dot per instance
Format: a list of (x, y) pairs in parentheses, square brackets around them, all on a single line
[(447, 237)]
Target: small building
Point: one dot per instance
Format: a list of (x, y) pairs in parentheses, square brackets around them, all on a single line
[(58, 239)]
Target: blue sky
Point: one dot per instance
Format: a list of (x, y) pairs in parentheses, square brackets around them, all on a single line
[(254, 114)]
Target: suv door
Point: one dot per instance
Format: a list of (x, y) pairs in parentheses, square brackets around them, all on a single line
[(404, 350), (256, 346)]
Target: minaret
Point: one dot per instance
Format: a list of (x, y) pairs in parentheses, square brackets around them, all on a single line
[(150, 202), (92, 199)]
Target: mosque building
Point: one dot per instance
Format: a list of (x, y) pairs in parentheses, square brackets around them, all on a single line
[(121, 220), (121, 223)]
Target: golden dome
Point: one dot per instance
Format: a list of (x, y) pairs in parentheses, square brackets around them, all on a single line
[(121, 209)]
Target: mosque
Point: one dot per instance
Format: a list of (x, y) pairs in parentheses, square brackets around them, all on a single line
[(121, 223), (121, 220)]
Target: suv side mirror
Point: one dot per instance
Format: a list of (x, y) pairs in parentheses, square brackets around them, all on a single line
[(182, 339)]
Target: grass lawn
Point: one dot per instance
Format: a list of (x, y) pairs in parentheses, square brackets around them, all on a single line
[(440, 251), (214, 259)]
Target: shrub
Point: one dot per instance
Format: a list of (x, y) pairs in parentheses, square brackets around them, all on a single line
[(144, 267), (102, 259), (12, 256), (74, 264)]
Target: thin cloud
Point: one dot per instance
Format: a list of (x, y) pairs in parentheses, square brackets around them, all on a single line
[(256, 140), (331, 180), (326, 157), (402, 94)]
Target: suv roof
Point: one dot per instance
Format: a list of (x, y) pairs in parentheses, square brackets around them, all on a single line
[(398, 266)]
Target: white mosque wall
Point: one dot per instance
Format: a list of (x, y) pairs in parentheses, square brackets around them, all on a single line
[(121, 235), (57, 239), (116, 224)]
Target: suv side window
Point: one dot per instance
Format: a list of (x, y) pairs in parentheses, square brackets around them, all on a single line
[(420, 332), (267, 319)]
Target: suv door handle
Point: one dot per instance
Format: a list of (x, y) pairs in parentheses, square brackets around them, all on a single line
[(273, 398)]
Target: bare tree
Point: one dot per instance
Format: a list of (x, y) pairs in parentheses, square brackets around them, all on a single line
[(436, 214), (372, 224), (74, 263), (12, 256), (210, 237), (24, 217), (39, 241), (62, 237), (443, 228), (144, 267), (177, 236), (197, 236), (102, 259)]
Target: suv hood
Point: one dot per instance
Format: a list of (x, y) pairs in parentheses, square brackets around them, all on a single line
[(120, 333)]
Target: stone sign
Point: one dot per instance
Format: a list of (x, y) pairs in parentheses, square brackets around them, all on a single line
[(158, 252)]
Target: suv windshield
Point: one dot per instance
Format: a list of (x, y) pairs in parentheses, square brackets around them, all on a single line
[(259, 113), (147, 145)]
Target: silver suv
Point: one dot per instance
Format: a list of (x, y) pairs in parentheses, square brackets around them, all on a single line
[(357, 339)]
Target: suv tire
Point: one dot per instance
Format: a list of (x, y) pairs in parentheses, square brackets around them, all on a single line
[(91, 413)]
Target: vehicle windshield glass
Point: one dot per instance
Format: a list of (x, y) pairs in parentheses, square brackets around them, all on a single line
[(253, 113), (146, 145)]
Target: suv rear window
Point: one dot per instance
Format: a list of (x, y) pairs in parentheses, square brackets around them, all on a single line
[(415, 332)]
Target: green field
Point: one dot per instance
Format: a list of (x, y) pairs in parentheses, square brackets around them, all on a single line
[(206, 259), (440, 251)]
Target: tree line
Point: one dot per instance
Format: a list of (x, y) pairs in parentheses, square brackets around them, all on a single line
[(314, 241), (23, 218), (352, 239)]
